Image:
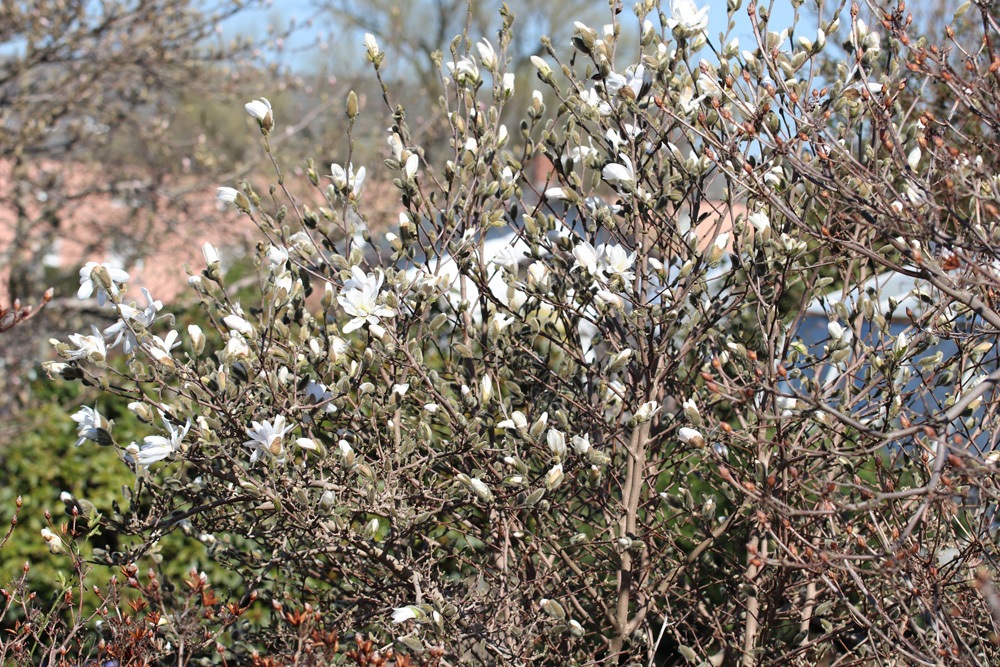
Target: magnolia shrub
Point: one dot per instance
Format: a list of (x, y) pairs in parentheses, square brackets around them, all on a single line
[(576, 407)]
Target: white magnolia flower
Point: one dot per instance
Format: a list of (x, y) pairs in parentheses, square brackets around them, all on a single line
[(91, 348), (157, 447), (89, 425), (687, 17), (236, 348), (761, 224), (646, 411), (586, 257), (517, 421), (620, 173), (159, 348), (318, 393), (688, 102), (277, 255), (261, 110), (582, 444), (371, 45), (631, 81), (538, 274), (103, 278), (132, 317), (616, 261), (407, 613), (487, 55), (347, 181), (464, 71), (266, 438), (360, 300)]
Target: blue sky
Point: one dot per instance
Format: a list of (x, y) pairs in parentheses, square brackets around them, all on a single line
[(297, 54)]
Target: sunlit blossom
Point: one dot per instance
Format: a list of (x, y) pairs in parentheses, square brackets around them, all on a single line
[(266, 437), (360, 300), (102, 278)]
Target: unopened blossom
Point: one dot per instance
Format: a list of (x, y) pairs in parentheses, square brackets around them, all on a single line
[(102, 278), (360, 300), (620, 173), (197, 338), (544, 69), (237, 323), (346, 452), (507, 84), (371, 45), (691, 436), (646, 411), (90, 425), (761, 224), (554, 476), (517, 421), (411, 165), (718, 248), (266, 437), (52, 541), (307, 444), (687, 17), (407, 613), (261, 110), (581, 444), (561, 194), (556, 440), (479, 487), (691, 412), (487, 54), (900, 346), (230, 197), (610, 299)]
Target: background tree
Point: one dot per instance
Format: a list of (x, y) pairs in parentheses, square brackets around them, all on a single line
[(650, 426)]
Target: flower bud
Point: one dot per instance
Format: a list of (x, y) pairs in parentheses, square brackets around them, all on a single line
[(197, 338)]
